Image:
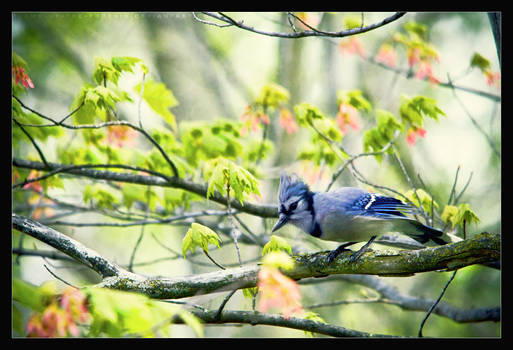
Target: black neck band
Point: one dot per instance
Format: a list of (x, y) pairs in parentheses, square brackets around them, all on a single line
[(316, 228)]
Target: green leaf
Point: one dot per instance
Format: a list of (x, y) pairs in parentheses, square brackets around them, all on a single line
[(465, 214), (249, 292), (377, 138), (93, 102), (449, 214), (160, 99), (319, 153), (416, 28), (132, 193), (354, 98), (276, 243), (328, 128), (307, 113), (413, 110), (387, 124), (278, 259), (312, 316), (175, 198), (102, 197), (104, 71), (126, 63), (192, 321), (31, 118), (18, 61), (35, 298), (352, 21), (425, 199), (117, 313), (208, 140), (199, 236), (480, 62), (220, 171), (272, 95)]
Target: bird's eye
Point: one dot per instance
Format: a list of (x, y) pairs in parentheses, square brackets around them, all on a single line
[(293, 206)]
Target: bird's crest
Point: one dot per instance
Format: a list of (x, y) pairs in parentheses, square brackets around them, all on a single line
[(291, 186)]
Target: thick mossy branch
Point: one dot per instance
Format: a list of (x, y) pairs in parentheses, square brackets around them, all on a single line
[(481, 249)]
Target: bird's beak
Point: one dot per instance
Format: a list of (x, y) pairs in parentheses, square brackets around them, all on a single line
[(282, 220)]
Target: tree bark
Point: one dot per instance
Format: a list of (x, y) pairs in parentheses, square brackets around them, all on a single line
[(482, 248)]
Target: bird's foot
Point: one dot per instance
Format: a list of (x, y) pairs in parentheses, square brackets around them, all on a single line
[(334, 253)]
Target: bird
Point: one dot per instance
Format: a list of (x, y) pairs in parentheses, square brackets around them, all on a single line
[(347, 214)]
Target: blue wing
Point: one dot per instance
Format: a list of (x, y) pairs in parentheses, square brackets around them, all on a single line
[(372, 204)]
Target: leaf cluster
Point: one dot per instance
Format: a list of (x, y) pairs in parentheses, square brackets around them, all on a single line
[(223, 175), (459, 215), (199, 236), (116, 313), (413, 38)]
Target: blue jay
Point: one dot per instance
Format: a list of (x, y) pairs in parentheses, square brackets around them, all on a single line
[(347, 214)]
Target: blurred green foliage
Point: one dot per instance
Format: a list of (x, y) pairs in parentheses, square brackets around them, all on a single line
[(198, 82)]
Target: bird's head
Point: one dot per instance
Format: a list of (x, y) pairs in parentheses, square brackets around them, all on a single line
[(293, 201)]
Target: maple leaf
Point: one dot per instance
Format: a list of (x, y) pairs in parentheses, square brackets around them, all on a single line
[(121, 136), (411, 135), (278, 290), (36, 185), (387, 55), (59, 319), (352, 46), (75, 303), (492, 78), (312, 19), (413, 56), (20, 75), (347, 115), (287, 121), (425, 70), (252, 120)]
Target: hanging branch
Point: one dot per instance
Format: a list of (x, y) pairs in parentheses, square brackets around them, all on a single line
[(297, 34)]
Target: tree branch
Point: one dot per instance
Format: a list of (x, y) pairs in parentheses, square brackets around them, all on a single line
[(388, 294), (68, 246), (481, 249), (300, 34), (257, 318), (266, 211)]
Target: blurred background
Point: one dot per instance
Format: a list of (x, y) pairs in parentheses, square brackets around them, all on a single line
[(215, 73)]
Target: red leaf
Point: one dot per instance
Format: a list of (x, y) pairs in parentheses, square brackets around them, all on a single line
[(277, 290)]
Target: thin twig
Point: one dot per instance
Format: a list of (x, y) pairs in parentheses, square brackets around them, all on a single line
[(210, 23), (412, 186), (436, 303), (339, 171), (223, 304), (99, 126), (59, 278), (212, 259), (34, 143), (453, 189), (138, 242), (464, 188), (235, 231), (140, 101), (474, 122)]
